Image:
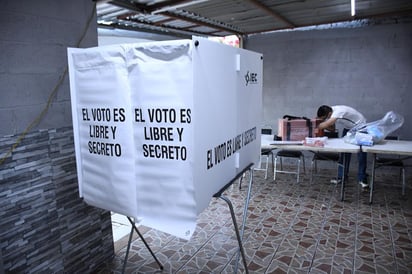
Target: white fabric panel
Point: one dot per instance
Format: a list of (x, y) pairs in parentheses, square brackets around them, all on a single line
[(183, 115)]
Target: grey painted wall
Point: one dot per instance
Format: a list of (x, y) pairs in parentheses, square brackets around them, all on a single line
[(44, 226), (34, 36), (369, 68)]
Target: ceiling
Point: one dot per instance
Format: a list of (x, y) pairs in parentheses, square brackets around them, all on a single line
[(185, 18)]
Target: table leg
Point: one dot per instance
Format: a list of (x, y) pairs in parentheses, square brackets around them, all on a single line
[(372, 179), (342, 189)]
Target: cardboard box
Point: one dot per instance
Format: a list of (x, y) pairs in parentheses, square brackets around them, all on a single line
[(298, 129)]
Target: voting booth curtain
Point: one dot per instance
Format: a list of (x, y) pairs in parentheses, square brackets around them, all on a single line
[(160, 127)]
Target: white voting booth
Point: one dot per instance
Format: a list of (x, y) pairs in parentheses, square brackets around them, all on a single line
[(160, 127)]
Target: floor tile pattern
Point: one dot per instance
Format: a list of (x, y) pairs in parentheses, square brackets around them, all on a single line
[(291, 228)]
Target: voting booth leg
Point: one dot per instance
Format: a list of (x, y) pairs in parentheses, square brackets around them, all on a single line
[(127, 250), (242, 230), (239, 238), (239, 235), (243, 176), (232, 213), (145, 243)]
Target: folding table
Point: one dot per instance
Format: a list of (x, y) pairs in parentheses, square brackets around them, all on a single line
[(397, 147), (332, 145)]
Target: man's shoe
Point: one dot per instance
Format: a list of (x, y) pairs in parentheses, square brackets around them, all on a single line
[(336, 181), (363, 184)]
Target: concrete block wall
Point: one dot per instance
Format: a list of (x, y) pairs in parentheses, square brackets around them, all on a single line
[(367, 67), (44, 226)]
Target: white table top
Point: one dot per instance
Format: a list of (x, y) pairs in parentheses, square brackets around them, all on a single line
[(332, 145), (399, 147)]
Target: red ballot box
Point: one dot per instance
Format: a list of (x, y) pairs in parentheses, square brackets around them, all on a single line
[(298, 129)]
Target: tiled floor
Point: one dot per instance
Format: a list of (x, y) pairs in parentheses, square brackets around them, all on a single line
[(291, 228), (120, 226)]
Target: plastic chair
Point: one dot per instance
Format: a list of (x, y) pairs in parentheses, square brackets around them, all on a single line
[(382, 160), (265, 154), (298, 155), (322, 156)]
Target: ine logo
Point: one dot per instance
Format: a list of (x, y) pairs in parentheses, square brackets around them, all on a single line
[(251, 78)]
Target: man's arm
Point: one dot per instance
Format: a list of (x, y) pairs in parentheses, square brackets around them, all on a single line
[(328, 124)]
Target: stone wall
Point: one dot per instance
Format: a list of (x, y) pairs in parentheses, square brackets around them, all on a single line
[(45, 226)]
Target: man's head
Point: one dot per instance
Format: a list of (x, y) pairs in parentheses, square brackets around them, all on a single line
[(324, 112)]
